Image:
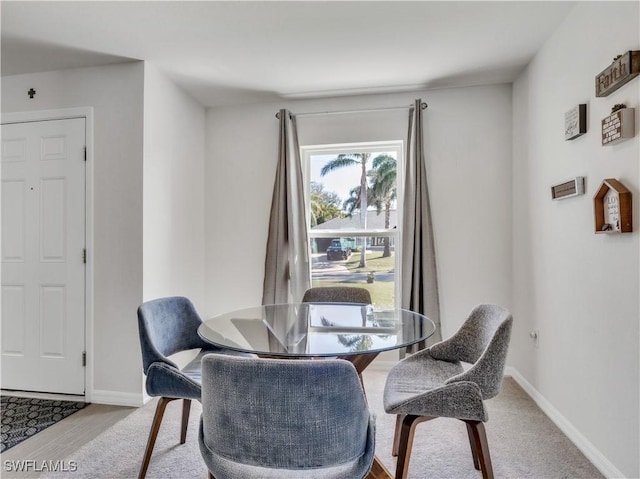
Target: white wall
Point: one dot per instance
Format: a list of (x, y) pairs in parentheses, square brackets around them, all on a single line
[(116, 94), (468, 151), (579, 289), (173, 203)]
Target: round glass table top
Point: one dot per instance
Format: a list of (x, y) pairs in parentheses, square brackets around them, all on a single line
[(316, 329)]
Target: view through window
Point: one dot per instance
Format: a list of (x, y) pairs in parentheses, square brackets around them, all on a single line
[(352, 196)]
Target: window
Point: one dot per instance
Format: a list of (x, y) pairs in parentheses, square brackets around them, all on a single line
[(354, 213)]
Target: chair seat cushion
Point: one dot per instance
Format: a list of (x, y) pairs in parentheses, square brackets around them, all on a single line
[(417, 385), (166, 380), (356, 468), (193, 370)]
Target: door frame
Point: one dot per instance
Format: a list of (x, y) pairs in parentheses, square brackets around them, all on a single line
[(65, 114)]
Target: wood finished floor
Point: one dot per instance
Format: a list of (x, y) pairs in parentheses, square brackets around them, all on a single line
[(63, 438)]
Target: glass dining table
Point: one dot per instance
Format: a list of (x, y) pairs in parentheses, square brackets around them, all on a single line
[(354, 332)]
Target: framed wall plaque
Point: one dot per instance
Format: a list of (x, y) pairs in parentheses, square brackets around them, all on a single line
[(568, 189), (618, 126), (612, 208), (575, 122), (623, 69)]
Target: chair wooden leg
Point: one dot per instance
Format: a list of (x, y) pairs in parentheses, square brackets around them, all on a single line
[(396, 435), (186, 407), (407, 431), (153, 433), (478, 439), (474, 449)]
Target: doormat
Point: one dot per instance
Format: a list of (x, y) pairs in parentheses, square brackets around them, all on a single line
[(23, 417)]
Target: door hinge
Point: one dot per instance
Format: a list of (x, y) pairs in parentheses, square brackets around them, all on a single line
[(84, 359), (85, 153), (84, 255)]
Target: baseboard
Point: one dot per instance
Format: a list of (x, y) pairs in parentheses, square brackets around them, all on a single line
[(116, 398), (582, 443), (39, 395)]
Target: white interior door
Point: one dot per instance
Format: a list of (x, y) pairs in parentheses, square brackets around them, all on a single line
[(43, 270)]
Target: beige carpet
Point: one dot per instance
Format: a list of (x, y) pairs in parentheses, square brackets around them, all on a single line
[(524, 443)]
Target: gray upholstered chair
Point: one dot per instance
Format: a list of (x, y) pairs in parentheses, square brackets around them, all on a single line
[(168, 326), (284, 419), (432, 383), (337, 294)]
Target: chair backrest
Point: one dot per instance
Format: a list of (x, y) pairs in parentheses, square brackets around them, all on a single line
[(483, 341), (337, 294), (167, 326), (283, 414)]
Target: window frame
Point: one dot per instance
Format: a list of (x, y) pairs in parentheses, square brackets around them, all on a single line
[(396, 146)]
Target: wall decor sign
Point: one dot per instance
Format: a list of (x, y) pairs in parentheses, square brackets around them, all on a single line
[(575, 122), (568, 189), (623, 69), (618, 126), (612, 208)]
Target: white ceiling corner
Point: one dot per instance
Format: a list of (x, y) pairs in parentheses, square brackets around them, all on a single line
[(241, 51)]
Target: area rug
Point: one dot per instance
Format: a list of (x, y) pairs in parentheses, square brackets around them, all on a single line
[(23, 417), (524, 443)]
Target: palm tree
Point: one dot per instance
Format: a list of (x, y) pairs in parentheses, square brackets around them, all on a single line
[(353, 202), (354, 159), (383, 190)]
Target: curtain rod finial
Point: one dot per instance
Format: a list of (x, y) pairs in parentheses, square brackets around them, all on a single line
[(286, 111)]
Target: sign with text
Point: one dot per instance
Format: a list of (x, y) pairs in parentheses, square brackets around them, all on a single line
[(621, 71), (612, 208), (611, 211), (618, 126), (575, 122), (568, 189)]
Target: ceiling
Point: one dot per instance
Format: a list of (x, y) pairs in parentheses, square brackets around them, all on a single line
[(233, 52)]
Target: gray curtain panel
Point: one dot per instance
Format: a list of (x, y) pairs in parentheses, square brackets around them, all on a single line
[(286, 275), (419, 278)]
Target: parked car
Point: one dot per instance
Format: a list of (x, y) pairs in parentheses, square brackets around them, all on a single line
[(338, 250)]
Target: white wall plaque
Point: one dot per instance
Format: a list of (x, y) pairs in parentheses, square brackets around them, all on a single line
[(568, 189), (575, 122)]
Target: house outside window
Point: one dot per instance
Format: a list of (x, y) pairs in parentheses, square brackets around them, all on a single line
[(354, 229)]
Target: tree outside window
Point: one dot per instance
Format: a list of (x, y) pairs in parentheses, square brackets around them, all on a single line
[(353, 205)]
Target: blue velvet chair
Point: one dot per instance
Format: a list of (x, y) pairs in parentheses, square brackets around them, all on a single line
[(284, 419), (433, 383), (337, 294), (168, 326)]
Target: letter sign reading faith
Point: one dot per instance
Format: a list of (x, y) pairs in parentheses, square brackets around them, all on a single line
[(622, 70)]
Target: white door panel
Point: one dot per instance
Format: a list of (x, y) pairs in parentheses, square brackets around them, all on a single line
[(43, 239)]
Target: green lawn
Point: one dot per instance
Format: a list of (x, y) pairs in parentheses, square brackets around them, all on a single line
[(382, 292), (375, 262)]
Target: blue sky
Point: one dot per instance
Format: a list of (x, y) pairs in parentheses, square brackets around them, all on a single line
[(339, 181)]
